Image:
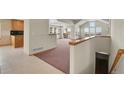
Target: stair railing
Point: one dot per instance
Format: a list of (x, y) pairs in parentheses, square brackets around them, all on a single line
[(117, 58)]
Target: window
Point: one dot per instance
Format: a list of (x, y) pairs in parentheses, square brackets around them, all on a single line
[(86, 30), (98, 30), (92, 24), (92, 29)]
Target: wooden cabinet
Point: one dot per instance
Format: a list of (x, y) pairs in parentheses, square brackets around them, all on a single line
[(17, 25), (17, 41)]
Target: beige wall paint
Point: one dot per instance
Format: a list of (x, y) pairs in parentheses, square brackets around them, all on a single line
[(37, 38), (82, 56), (117, 33), (5, 32)]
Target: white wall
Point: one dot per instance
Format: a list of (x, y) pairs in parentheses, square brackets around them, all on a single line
[(5, 32), (82, 56), (37, 39), (117, 32), (27, 35)]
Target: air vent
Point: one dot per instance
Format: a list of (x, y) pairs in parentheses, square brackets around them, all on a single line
[(37, 49)]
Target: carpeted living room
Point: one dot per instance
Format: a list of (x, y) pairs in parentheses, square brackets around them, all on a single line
[(58, 57)]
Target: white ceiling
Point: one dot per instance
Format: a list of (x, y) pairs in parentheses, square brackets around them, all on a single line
[(74, 21), (70, 21)]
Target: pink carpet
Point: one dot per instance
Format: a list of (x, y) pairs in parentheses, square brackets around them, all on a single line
[(58, 57)]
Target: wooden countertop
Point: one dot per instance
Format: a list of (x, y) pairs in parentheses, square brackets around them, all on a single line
[(74, 42)]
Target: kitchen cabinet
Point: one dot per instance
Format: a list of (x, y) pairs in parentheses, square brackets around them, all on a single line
[(17, 25), (17, 28), (17, 41)]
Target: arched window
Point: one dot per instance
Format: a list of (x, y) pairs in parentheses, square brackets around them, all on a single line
[(92, 29)]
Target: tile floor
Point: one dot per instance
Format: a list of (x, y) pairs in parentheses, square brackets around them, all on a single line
[(15, 61)]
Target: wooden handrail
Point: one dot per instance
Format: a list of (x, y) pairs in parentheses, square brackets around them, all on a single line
[(74, 42), (117, 58)]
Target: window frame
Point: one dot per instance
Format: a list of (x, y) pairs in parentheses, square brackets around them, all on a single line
[(90, 33)]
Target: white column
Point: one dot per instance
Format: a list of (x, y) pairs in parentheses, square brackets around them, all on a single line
[(73, 32), (27, 35), (61, 33), (80, 32)]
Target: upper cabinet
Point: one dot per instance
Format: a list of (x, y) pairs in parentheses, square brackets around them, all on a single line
[(17, 25)]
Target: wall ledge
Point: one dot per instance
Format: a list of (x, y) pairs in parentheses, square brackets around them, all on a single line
[(74, 42)]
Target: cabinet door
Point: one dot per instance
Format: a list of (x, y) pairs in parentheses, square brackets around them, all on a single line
[(12, 25), (18, 41), (17, 25), (20, 25), (13, 41)]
